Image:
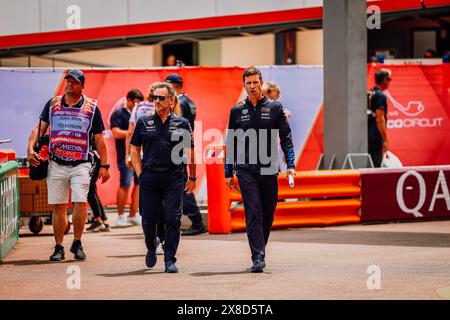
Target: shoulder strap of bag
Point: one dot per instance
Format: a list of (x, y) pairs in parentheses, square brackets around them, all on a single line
[(39, 133), (370, 95)]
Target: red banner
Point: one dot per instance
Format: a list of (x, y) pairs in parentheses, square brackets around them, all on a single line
[(418, 112), (213, 92), (418, 116)]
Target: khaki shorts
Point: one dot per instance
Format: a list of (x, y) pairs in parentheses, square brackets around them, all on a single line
[(61, 177)]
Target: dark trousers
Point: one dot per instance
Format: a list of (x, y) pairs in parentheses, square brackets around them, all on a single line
[(93, 199), (375, 151), (155, 189), (190, 207), (260, 194), (161, 231)]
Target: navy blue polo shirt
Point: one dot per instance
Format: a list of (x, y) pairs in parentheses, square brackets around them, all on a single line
[(188, 109), (379, 101), (120, 119), (156, 137)]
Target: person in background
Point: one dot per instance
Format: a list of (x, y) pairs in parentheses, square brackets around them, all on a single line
[(119, 128), (272, 90), (171, 60), (100, 220), (378, 142), (188, 111)]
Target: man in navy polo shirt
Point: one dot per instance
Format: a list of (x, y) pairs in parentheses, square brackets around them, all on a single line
[(160, 172)]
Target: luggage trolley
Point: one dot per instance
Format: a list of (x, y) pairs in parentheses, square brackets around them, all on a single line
[(33, 199)]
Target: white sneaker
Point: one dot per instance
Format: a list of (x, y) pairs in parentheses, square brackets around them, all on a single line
[(136, 220), (159, 247), (121, 221)]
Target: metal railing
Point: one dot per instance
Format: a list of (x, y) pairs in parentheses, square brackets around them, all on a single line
[(9, 207)]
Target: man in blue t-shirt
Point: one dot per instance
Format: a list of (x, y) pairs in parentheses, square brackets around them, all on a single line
[(119, 128), (378, 142)]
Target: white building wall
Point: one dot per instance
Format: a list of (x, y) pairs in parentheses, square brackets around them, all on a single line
[(309, 48), (248, 50)]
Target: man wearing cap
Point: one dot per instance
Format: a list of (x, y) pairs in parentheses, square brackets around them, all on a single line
[(75, 123), (188, 111)]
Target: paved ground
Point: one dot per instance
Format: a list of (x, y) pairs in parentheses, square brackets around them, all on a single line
[(306, 263)]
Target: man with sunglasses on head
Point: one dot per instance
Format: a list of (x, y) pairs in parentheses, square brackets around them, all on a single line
[(378, 142), (167, 145), (188, 111), (75, 123)]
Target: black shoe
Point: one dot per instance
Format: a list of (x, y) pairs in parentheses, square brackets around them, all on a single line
[(258, 266), (194, 230), (95, 226), (150, 259), (77, 250), (171, 267), (58, 254)]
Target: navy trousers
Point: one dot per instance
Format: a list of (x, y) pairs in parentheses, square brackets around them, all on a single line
[(260, 194), (155, 189)]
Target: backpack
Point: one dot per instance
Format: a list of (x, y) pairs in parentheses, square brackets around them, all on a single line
[(371, 115)]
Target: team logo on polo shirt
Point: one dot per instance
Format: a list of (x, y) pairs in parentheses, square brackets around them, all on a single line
[(265, 109), (150, 122), (245, 111)]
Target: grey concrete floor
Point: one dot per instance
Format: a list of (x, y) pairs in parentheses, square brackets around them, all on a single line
[(411, 261)]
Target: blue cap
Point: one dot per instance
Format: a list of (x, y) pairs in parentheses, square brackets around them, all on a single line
[(380, 58), (77, 75), (174, 78)]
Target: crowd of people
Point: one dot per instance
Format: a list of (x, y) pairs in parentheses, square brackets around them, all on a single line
[(78, 158), (148, 132)]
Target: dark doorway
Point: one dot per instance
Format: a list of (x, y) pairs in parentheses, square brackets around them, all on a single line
[(285, 43), (180, 53)]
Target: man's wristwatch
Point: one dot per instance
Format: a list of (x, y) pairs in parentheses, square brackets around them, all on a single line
[(106, 166), (193, 178)]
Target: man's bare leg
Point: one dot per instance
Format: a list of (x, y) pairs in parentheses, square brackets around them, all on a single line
[(59, 220), (79, 219)]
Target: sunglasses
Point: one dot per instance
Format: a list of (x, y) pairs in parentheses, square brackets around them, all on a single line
[(162, 98)]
